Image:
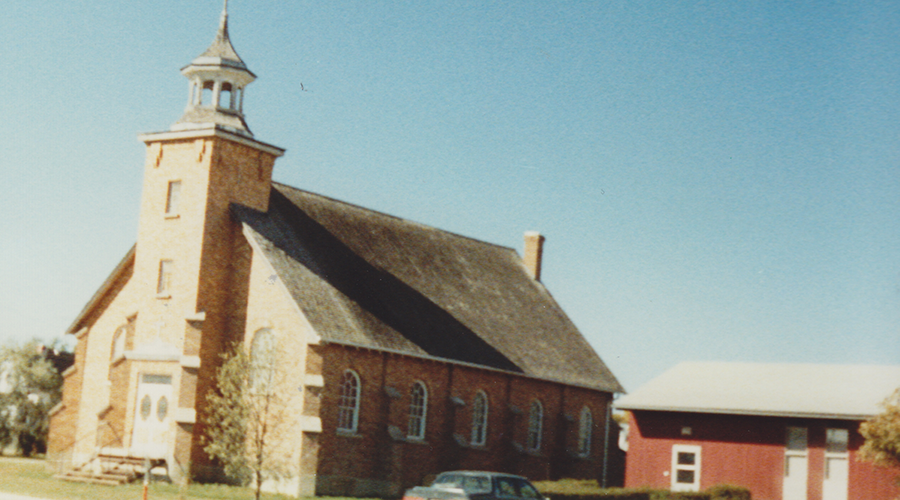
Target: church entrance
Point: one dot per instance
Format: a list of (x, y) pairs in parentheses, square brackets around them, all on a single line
[(152, 416)]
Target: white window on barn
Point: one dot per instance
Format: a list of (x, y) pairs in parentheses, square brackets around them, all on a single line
[(173, 198), (348, 402), (418, 411), (585, 429), (479, 418), (535, 426), (685, 467), (262, 361)]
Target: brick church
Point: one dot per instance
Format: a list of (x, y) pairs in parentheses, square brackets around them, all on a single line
[(407, 350)]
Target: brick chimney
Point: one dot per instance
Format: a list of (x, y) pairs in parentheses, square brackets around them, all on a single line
[(534, 247)]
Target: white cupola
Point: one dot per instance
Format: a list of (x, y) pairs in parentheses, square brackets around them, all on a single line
[(217, 78)]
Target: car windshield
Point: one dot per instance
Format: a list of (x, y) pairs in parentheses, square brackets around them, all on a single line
[(516, 487), (471, 484)]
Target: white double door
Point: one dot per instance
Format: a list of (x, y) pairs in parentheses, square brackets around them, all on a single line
[(152, 416), (835, 480)]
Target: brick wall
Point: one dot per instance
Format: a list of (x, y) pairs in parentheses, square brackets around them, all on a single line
[(64, 418), (380, 460)]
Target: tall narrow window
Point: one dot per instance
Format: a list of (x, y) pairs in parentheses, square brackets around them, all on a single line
[(118, 345), (479, 418), (262, 361), (685, 468), (173, 197), (418, 411), (535, 426), (585, 429), (348, 402), (164, 284)]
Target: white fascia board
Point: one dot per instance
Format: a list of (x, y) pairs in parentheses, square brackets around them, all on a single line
[(211, 131)]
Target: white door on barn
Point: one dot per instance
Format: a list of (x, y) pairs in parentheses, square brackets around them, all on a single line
[(796, 468), (837, 465), (152, 416)]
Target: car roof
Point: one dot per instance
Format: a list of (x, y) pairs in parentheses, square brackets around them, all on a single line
[(480, 473)]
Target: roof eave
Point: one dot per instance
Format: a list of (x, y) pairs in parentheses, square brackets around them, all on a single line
[(213, 130), (746, 412), (102, 291)]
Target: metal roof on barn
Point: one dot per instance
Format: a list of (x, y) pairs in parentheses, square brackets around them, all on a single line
[(368, 279), (852, 392)]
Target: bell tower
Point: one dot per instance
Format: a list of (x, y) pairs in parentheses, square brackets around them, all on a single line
[(217, 78), (190, 257)]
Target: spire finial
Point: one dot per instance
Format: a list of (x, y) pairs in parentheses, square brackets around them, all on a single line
[(223, 23)]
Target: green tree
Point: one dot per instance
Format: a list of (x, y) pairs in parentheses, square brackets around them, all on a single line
[(882, 434), (29, 387), (246, 419)]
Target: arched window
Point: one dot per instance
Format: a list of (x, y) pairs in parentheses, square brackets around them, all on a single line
[(418, 410), (118, 343), (206, 93), (535, 426), (225, 97), (479, 418), (585, 428), (262, 361), (348, 402)]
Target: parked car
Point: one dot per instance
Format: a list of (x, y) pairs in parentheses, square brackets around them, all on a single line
[(475, 485)]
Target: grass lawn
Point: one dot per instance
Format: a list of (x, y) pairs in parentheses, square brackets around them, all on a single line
[(26, 476)]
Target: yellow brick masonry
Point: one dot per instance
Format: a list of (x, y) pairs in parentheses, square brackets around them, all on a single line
[(192, 319)]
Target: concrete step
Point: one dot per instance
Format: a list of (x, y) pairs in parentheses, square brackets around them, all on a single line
[(90, 479)]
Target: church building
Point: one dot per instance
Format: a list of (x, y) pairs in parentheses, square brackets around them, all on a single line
[(405, 350)]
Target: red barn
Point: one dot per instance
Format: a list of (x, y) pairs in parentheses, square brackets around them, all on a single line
[(785, 431)]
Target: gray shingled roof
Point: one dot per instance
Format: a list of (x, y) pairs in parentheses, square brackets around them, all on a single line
[(368, 279), (774, 389)]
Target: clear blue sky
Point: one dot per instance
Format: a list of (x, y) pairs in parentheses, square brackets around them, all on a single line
[(716, 180)]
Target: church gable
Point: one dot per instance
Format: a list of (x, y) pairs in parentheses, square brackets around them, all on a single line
[(104, 295)]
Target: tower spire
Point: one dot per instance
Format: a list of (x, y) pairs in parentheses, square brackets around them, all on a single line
[(222, 34), (217, 80)]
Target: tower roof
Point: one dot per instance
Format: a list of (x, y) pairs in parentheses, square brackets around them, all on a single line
[(221, 52), (220, 71)]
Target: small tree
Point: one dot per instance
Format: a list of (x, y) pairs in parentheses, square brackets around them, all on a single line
[(29, 387), (882, 434), (246, 418)]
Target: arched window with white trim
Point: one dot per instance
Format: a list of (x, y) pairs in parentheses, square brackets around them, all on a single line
[(535, 426), (262, 361), (418, 411), (585, 429), (348, 402), (479, 418)]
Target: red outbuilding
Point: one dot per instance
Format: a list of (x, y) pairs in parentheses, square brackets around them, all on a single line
[(785, 431)]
